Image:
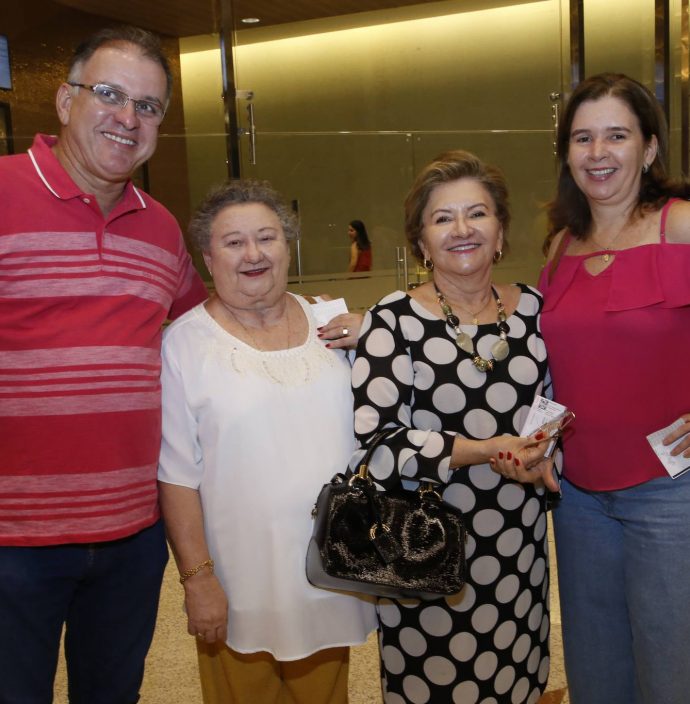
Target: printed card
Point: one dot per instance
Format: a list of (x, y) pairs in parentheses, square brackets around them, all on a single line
[(677, 465), (543, 411), (327, 310)]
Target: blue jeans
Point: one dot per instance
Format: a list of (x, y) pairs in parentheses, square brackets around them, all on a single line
[(624, 579), (105, 593)]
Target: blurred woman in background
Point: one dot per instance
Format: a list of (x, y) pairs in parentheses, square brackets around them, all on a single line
[(360, 249)]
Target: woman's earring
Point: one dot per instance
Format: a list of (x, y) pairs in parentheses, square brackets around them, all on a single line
[(498, 255), (428, 264), (645, 168)]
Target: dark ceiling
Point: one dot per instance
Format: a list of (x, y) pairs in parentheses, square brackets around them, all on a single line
[(181, 18)]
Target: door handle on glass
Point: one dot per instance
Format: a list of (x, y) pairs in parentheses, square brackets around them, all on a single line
[(555, 99), (252, 134), (401, 268)]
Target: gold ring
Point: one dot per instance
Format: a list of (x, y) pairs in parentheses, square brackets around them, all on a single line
[(199, 635), (346, 332)]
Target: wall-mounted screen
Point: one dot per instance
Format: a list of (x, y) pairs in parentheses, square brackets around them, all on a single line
[(5, 74)]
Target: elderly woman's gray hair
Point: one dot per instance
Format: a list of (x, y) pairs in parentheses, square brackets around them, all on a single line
[(239, 192)]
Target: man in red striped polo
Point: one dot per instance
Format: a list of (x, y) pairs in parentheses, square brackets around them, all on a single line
[(90, 268)]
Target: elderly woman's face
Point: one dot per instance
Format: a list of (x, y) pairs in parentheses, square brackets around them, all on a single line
[(460, 232), (248, 255)]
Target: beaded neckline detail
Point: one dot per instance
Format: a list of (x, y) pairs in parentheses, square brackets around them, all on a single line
[(500, 348), (295, 366)]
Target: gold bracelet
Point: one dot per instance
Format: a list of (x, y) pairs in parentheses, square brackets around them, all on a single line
[(184, 576)]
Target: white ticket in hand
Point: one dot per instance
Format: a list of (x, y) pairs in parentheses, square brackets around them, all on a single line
[(542, 411), (327, 310), (677, 465), (547, 416)]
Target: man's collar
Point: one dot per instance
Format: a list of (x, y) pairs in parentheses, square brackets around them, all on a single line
[(60, 184)]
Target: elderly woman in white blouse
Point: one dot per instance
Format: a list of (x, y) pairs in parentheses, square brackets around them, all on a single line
[(257, 415)]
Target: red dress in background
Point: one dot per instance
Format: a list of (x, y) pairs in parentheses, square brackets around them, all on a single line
[(363, 260)]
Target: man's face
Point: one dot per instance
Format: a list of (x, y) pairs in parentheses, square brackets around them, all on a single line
[(108, 143)]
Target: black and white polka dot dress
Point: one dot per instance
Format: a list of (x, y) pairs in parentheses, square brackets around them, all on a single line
[(489, 644)]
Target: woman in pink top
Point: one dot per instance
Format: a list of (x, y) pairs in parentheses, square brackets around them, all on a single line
[(616, 321)]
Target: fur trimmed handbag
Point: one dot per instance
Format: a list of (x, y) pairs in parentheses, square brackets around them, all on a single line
[(398, 544)]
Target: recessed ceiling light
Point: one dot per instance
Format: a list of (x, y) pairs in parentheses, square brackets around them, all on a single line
[(250, 20)]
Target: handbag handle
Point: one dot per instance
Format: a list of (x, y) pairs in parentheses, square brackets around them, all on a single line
[(426, 489), (362, 472)]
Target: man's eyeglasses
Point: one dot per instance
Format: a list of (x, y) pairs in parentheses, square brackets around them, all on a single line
[(114, 98)]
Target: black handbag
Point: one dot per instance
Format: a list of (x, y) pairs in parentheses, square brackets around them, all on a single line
[(398, 544)]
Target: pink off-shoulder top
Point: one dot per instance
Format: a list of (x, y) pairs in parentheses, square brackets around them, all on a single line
[(619, 353)]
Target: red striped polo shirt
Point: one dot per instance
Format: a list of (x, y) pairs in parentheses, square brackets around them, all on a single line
[(82, 301)]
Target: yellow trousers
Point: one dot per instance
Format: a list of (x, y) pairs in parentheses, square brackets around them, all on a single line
[(228, 677)]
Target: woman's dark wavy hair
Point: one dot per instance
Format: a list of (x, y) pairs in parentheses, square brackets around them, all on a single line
[(570, 208), (362, 237), (450, 166)]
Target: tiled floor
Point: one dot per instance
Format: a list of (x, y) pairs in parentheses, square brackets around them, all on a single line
[(171, 675)]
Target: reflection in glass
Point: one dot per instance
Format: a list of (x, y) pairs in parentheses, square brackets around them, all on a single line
[(347, 108), (6, 141)]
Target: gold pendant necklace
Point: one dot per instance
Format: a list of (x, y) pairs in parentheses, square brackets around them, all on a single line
[(475, 316), (251, 337), (606, 256), (500, 348)]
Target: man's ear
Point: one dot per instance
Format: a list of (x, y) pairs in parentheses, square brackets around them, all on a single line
[(63, 102)]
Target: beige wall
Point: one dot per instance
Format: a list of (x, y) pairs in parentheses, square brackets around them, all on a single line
[(679, 75), (440, 72), (348, 110), (204, 119), (620, 37)]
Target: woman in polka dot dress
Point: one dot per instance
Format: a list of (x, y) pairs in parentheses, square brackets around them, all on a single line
[(452, 369)]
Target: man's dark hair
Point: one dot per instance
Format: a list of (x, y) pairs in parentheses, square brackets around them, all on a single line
[(149, 45)]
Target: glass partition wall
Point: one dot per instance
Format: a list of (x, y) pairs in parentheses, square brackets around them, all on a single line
[(341, 112)]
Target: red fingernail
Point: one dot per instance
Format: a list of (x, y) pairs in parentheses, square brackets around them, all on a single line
[(328, 344), (500, 455), (319, 335), (517, 462), (321, 327), (539, 436), (509, 456)]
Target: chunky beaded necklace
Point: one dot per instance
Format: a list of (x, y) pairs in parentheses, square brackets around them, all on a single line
[(500, 348)]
